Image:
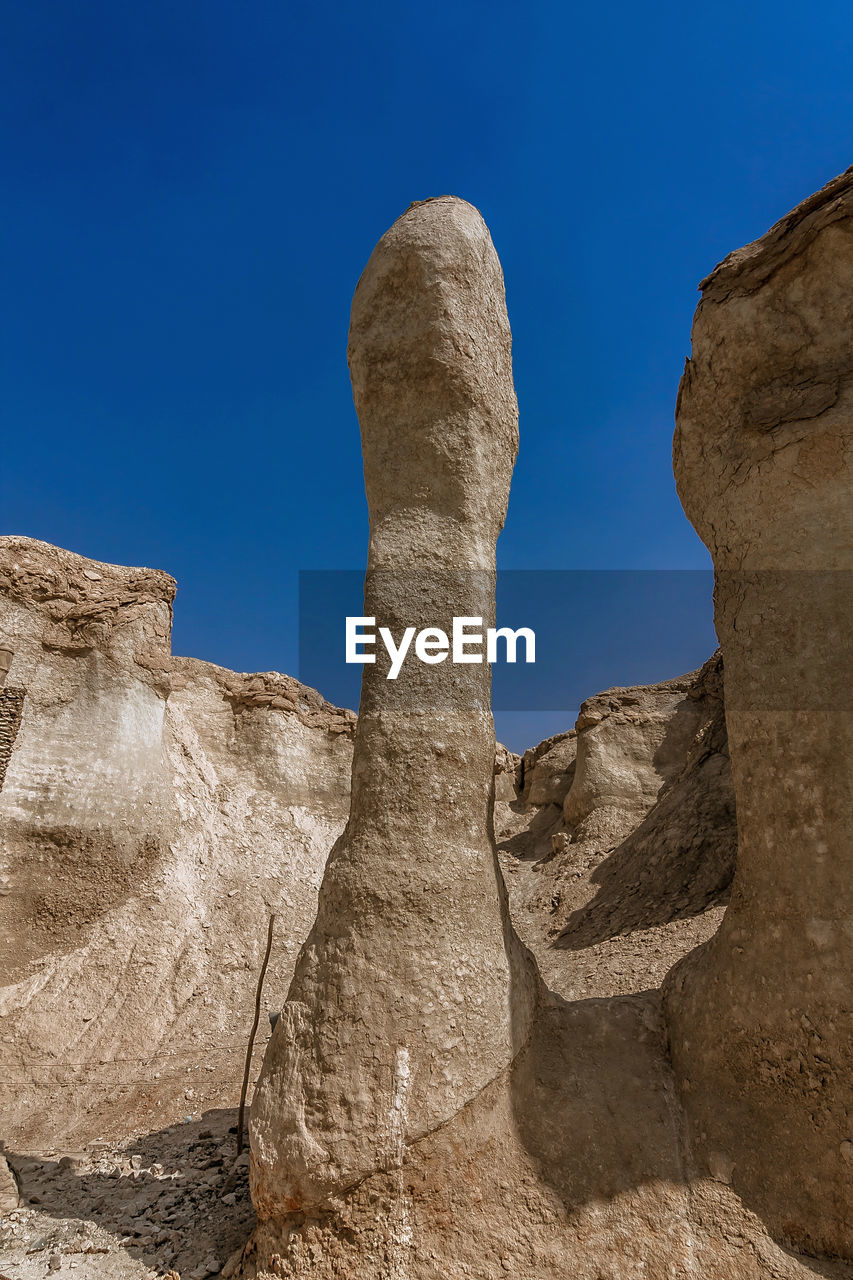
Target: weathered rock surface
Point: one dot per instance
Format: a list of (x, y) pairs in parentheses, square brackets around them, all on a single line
[(547, 770), (629, 743), (761, 1020), (436, 1112), (9, 1193), (638, 873), (399, 1013), (154, 812), (171, 1203), (568, 1159), (67, 1078)]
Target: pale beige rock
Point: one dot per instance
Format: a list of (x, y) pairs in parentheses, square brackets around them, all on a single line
[(154, 812), (399, 1013), (608, 904), (629, 743), (507, 774), (389, 1142), (10, 1196), (538, 1136), (760, 1019), (549, 768), (156, 809)]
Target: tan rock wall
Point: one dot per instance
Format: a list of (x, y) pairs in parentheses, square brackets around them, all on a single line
[(155, 811), (760, 1019)]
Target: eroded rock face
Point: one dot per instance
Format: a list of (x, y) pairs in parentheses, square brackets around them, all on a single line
[(430, 1110), (154, 812), (427, 1109), (760, 1019), (406, 1003), (629, 743), (548, 769), (639, 874), (10, 1196)]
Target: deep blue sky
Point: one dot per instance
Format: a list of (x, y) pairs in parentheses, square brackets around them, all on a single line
[(191, 190)]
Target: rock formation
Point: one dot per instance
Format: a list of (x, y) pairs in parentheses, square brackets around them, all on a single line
[(760, 1019), (154, 812), (547, 769), (427, 1108), (10, 1197), (242, 759), (400, 1011), (620, 863)]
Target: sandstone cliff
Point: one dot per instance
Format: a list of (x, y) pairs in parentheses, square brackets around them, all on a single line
[(761, 1019), (155, 811), (158, 809), (620, 848)]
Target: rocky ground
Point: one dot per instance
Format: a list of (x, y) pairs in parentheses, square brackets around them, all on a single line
[(173, 1204)]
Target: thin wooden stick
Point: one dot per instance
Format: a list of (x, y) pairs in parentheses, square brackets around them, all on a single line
[(242, 1112)]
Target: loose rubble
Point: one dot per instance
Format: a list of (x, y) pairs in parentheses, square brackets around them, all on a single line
[(173, 1205)]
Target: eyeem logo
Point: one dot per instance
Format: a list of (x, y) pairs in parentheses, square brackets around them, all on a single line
[(432, 644)]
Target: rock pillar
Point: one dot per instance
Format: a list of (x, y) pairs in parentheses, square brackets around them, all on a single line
[(400, 1009), (761, 1019)]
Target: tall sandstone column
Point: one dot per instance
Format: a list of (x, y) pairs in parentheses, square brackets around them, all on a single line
[(760, 1018), (399, 1012)]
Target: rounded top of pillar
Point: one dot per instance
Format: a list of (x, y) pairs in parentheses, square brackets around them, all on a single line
[(438, 246), (430, 356)]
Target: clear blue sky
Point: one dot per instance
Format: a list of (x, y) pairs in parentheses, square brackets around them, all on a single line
[(192, 189)]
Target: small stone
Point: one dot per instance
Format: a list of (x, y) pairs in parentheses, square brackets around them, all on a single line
[(9, 1195), (720, 1167), (232, 1266)]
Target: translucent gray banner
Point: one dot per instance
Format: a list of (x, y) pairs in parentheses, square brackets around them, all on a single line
[(593, 630)]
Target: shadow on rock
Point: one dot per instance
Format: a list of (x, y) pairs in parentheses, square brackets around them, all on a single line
[(677, 863), (176, 1200)]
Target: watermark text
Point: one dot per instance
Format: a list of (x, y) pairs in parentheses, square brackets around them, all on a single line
[(432, 644)]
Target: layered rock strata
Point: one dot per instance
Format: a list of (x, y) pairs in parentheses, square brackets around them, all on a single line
[(154, 812), (761, 1019)]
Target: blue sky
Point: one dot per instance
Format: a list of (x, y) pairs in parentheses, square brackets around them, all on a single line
[(191, 192)]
